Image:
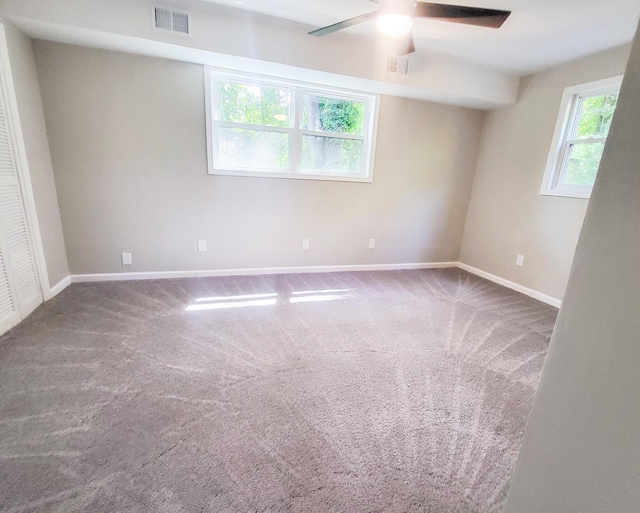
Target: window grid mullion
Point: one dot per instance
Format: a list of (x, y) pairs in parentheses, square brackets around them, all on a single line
[(335, 135), (248, 126), (295, 144), (589, 140)]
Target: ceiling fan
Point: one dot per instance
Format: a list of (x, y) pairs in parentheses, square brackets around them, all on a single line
[(395, 18)]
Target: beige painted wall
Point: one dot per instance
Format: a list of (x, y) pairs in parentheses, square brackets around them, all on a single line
[(507, 215), (128, 147), (37, 149), (581, 449)]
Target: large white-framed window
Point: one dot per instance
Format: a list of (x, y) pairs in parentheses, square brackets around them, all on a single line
[(271, 127), (586, 111)]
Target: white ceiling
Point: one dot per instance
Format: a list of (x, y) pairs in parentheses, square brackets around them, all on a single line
[(537, 35), (456, 64)]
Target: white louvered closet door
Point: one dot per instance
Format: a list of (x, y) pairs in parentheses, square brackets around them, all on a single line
[(20, 290)]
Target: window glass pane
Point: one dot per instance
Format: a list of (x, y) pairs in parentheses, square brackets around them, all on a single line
[(253, 104), (595, 116), (331, 154), (323, 114), (582, 167), (240, 147)]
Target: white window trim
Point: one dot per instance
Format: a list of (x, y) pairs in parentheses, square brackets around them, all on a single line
[(551, 185), (297, 88)]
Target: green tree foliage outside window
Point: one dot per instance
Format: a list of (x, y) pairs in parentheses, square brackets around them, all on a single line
[(596, 113), (332, 115), (254, 105), (341, 116), (263, 109), (584, 160)]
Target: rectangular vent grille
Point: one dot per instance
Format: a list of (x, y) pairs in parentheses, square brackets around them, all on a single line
[(398, 65), (180, 22), (173, 21)]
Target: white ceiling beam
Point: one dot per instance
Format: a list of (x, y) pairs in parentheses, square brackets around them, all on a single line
[(236, 39)]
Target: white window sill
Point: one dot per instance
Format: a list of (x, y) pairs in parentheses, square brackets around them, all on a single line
[(568, 191), (291, 176)]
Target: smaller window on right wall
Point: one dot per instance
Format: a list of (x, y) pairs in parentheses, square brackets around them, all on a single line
[(581, 131)]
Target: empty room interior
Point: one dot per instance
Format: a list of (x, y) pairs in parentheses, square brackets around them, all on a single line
[(319, 256)]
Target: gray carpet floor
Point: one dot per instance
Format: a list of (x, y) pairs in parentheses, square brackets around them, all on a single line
[(349, 392)]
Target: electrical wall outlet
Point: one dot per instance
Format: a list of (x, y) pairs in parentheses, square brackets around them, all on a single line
[(520, 260), (305, 243), (372, 243), (126, 258), (202, 245)]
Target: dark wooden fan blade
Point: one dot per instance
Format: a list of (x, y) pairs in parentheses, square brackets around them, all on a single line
[(460, 14), (343, 24), (403, 46)]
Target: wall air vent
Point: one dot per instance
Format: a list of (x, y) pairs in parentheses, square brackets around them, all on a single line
[(398, 65), (173, 21)]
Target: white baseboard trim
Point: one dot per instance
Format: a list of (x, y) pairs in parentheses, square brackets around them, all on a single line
[(59, 287), (160, 275), (82, 278), (512, 285)]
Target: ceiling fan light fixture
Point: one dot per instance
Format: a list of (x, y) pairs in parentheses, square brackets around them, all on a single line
[(394, 24)]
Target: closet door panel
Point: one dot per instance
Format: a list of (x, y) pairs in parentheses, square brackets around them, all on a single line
[(21, 263), (9, 311), (20, 290)]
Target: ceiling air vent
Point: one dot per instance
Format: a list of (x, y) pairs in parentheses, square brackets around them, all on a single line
[(398, 65), (173, 21)]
